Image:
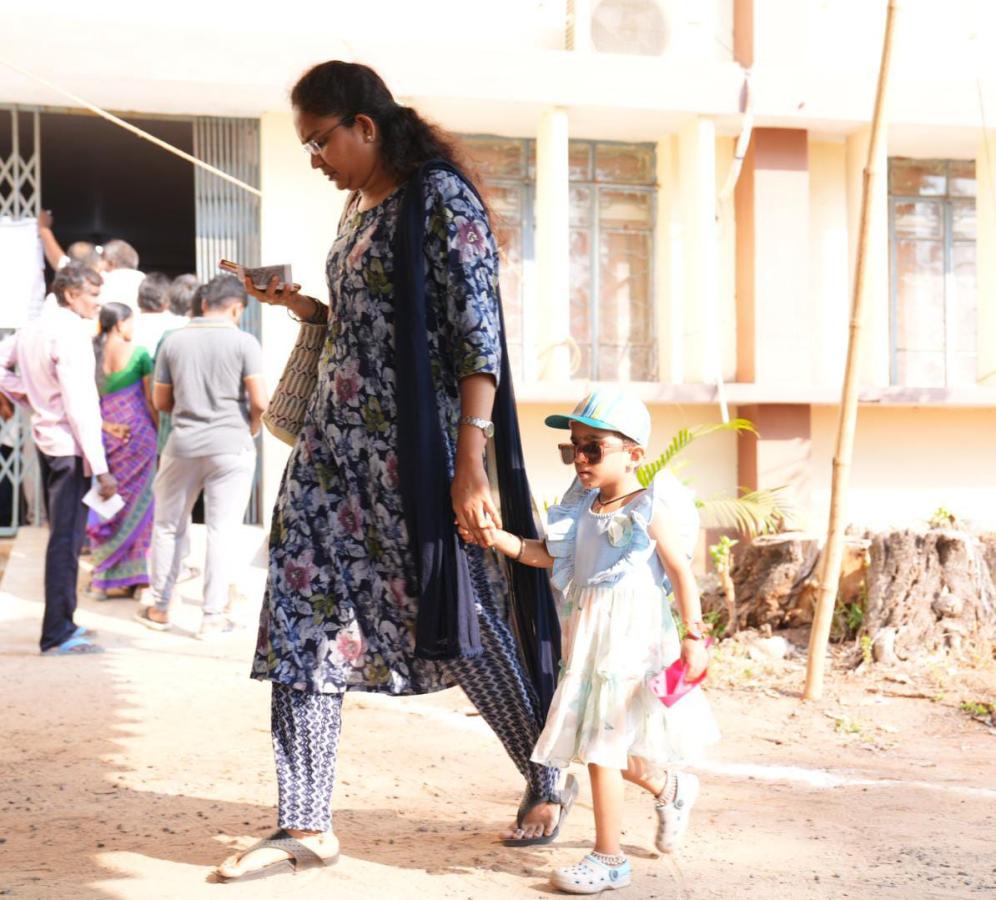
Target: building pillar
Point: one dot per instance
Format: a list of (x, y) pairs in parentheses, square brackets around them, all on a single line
[(985, 261), (553, 251), (772, 280), (779, 454), (669, 288), (697, 214), (743, 32), (875, 363)]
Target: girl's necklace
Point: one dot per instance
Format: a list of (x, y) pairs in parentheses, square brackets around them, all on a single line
[(603, 503)]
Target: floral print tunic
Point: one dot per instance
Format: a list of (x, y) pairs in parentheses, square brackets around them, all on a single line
[(340, 604)]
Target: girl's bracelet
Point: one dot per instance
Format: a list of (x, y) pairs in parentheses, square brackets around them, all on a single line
[(522, 549), (695, 630)]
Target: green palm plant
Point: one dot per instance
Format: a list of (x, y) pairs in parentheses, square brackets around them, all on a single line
[(752, 513)]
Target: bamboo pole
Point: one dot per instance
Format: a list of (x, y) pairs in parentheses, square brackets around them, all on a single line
[(847, 419)]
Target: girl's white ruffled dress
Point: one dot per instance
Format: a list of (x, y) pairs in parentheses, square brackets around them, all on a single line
[(617, 631)]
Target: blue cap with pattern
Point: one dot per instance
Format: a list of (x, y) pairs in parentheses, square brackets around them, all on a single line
[(611, 410)]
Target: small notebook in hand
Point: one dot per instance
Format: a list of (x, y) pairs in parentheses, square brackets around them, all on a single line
[(106, 509)]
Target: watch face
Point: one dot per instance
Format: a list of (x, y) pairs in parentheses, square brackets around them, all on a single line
[(489, 430)]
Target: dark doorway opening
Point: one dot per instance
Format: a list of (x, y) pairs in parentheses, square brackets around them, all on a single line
[(102, 182)]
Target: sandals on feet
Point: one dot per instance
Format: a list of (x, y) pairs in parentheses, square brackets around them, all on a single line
[(75, 646), (566, 800), (301, 858)]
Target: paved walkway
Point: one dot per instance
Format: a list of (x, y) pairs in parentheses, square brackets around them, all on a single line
[(131, 774)]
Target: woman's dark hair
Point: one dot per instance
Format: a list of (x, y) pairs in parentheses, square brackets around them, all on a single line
[(345, 89), (111, 315)]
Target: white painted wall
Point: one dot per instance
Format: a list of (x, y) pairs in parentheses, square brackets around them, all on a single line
[(829, 287), (299, 214), (907, 463)]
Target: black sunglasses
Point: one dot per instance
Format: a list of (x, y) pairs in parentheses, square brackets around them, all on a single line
[(592, 451)]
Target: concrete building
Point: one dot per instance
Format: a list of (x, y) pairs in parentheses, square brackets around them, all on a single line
[(605, 131)]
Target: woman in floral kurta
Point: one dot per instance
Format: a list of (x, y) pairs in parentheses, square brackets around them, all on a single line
[(340, 606)]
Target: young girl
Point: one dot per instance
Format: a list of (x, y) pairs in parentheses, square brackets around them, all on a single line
[(613, 546)]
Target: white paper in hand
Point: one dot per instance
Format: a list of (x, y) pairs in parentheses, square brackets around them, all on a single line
[(106, 509)]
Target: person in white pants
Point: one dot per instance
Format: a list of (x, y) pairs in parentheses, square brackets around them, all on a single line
[(209, 377)]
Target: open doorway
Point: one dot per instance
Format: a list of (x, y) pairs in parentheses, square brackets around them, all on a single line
[(102, 182)]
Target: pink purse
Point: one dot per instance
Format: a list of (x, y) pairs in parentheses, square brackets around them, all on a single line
[(669, 685)]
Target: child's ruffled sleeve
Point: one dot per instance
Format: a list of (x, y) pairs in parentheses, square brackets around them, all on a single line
[(677, 502), (562, 533)]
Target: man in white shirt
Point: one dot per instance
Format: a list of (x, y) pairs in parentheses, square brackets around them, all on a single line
[(156, 319), (48, 366), (121, 277)]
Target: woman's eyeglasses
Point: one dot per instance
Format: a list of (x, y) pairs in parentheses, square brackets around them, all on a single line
[(317, 144), (592, 451)]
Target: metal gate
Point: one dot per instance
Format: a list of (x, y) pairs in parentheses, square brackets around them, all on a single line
[(20, 197), (227, 222)]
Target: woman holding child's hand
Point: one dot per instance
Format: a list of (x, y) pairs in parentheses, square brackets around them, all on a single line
[(370, 588)]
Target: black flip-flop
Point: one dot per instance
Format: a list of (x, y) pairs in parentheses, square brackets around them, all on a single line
[(567, 797), (302, 858)]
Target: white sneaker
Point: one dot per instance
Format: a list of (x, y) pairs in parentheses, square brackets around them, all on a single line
[(592, 876), (672, 818)]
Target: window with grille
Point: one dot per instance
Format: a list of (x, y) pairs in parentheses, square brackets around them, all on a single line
[(612, 202), (934, 307)]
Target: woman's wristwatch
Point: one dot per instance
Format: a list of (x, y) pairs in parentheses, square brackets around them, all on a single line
[(487, 427)]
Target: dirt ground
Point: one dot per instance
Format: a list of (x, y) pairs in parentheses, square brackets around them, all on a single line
[(131, 774)]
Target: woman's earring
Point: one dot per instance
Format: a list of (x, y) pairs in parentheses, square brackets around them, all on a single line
[(369, 138)]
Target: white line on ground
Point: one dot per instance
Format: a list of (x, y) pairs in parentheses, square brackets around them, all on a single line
[(823, 778)]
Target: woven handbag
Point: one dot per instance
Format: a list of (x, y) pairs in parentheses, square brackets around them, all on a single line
[(284, 417)]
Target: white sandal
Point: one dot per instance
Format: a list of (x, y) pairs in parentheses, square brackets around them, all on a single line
[(672, 818), (592, 876)]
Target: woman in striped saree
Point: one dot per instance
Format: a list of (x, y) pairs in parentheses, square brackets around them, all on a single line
[(120, 545)]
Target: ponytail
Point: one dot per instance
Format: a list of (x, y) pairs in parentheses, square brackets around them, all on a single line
[(111, 315)]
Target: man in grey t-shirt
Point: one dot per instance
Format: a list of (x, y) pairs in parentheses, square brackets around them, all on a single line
[(209, 377)]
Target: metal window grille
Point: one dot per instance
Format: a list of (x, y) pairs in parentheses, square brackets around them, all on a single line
[(227, 223), (933, 302), (509, 164), (20, 197)]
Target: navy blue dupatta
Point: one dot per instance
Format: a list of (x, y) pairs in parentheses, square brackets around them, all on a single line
[(446, 624)]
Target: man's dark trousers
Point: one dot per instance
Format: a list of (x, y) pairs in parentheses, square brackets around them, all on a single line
[(65, 485)]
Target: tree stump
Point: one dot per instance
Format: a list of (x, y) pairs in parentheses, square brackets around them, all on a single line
[(931, 591), (776, 580), (850, 588), (768, 575)]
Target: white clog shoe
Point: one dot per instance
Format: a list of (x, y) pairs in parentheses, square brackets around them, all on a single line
[(591, 876), (672, 818)]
